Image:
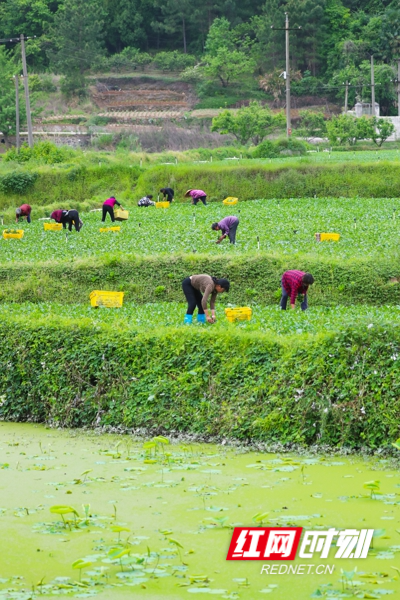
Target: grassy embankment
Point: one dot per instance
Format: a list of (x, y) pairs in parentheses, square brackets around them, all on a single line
[(84, 181), (337, 387)]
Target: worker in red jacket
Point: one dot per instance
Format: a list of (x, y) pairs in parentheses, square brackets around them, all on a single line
[(23, 211), (293, 284)]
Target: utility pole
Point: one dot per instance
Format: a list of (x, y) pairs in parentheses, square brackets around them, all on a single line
[(288, 117), (346, 97), (287, 29), (372, 87), (17, 142), (27, 102), (398, 87)]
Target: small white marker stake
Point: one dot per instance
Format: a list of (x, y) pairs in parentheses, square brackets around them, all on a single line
[(258, 243), (355, 223)]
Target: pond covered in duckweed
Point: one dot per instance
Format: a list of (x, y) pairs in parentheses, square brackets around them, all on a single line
[(109, 516)]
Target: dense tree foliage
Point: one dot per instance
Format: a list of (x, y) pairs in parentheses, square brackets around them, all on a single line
[(7, 97), (331, 42), (253, 122)]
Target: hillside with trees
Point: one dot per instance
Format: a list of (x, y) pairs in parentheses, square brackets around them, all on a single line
[(220, 40)]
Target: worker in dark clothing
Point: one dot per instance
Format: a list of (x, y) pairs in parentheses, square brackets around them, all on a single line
[(293, 284), (108, 208), (198, 289), (168, 194), (67, 217), (23, 211), (228, 226)]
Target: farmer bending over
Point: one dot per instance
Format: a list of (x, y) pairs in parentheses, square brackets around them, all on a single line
[(108, 207), (197, 195), (146, 201), (23, 211), (293, 284), (67, 217), (168, 194), (228, 226), (198, 289)]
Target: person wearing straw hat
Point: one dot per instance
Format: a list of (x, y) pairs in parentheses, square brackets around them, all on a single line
[(198, 289), (23, 211), (228, 226), (197, 195)]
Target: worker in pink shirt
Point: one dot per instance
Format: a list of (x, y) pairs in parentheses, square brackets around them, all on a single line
[(108, 207), (197, 195)]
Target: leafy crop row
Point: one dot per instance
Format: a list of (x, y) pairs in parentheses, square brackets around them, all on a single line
[(340, 388), (265, 319), (156, 249), (368, 227)]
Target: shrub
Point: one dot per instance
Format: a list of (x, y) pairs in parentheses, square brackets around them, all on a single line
[(18, 182), (42, 152), (104, 141), (98, 120), (160, 290), (339, 388), (267, 149), (43, 83), (127, 142), (173, 61), (291, 146)]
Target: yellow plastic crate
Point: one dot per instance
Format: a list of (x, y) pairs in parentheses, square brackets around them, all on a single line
[(121, 215), (162, 204), (327, 237), (230, 201), (52, 226), (104, 229), (18, 235), (242, 313), (108, 299)]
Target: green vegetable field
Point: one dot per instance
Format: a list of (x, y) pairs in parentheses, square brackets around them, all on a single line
[(283, 227), (293, 377)]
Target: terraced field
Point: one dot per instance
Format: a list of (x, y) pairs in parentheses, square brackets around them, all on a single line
[(368, 227)]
